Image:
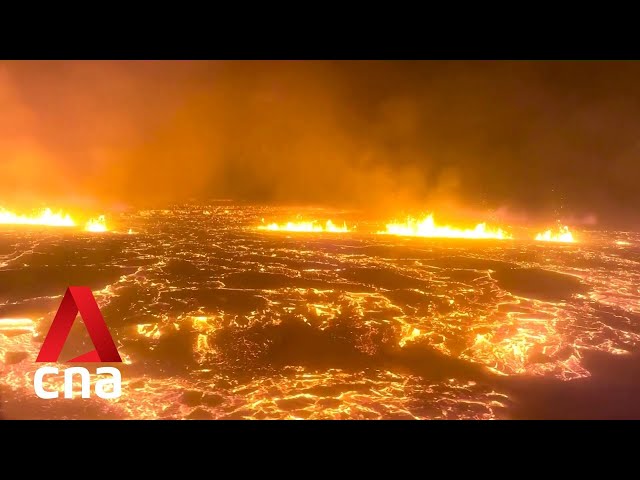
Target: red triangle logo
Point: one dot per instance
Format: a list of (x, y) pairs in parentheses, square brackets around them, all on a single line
[(79, 299)]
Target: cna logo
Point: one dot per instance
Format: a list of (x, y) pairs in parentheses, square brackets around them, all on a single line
[(79, 300)]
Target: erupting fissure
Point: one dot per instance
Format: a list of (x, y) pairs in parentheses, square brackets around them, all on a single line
[(561, 235), (312, 226), (427, 227), (46, 217), (96, 224)]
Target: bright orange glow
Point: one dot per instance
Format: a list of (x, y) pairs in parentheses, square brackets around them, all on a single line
[(428, 228), (312, 226), (561, 235), (16, 324), (44, 217), (96, 225)]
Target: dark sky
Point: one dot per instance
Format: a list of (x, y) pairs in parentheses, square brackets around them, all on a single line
[(525, 139)]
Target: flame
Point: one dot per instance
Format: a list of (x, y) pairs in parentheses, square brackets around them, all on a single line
[(312, 226), (428, 228), (561, 235), (44, 217), (96, 225)]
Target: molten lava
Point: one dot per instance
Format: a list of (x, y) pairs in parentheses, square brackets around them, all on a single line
[(44, 217), (561, 235), (312, 226), (96, 225), (428, 228)]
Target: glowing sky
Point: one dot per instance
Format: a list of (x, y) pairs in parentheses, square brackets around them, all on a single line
[(523, 137)]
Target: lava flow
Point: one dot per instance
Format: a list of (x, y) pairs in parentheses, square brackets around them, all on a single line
[(312, 226), (428, 228), (561, 235), (220, 320)]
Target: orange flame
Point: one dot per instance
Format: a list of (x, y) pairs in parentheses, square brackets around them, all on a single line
[(312, 226), (561, 235), (44, 217), (428, 228), (96, 225)]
